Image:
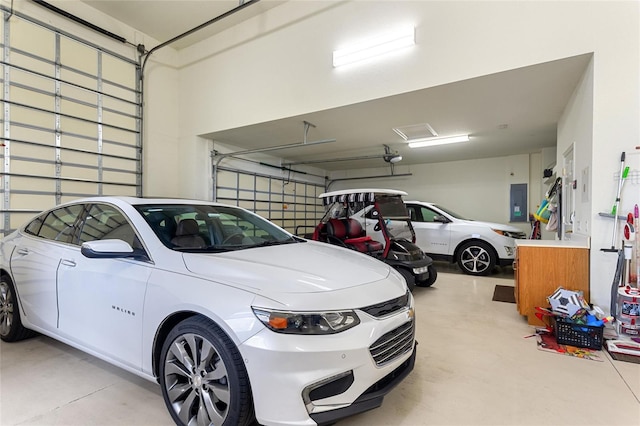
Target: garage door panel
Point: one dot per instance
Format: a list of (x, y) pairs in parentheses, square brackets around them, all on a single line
[(33, 202), (32, 98), (263, 184), (126, 191), (32, 38), (118, 163), (119, 135), (73, 93), (77, 142), (32, 66), (119, 150), (22, 184), (31, 152), (23, 133), (26, 79), (78, 127), (118, 93), (74, 171), (22, 167), (119, 120), (118, 72), (78, 56), (246, 205), (114, 111), (87, 112), (32, 117), (119, 177)]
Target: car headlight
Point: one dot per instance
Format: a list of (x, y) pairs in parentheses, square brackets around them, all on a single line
[(510, 234), (307, 322)]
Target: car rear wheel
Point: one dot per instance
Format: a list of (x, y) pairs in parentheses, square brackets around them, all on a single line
[(11, 329), (203, 377), (476, 258)]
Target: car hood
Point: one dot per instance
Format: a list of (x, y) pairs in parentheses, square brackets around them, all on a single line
[(291, 268), (500, 226)]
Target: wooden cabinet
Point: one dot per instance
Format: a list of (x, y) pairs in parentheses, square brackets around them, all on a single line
[(542, 267)]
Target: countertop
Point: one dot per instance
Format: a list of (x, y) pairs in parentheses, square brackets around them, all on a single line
[(582, 243)]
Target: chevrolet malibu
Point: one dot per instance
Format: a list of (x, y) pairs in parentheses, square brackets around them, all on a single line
[(234, 317)]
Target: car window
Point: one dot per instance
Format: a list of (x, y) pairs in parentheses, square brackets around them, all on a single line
[(58, 224), (34, 226), (428, 215), (412, 213), (218, 227), (105, 222)]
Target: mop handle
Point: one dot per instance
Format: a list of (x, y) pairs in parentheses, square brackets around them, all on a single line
[(617, 202)]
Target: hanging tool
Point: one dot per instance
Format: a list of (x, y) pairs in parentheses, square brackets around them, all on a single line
[(623, 174), (630, 237), (636, 223)]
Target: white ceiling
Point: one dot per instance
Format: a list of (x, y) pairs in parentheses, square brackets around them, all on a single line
[(508, 113)]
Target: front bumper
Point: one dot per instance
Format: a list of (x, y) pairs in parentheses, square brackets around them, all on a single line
[(283, 368), (372, 397)]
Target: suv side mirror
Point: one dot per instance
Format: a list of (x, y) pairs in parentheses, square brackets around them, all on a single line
[(440, 218)]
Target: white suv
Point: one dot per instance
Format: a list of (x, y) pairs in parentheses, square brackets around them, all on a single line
[(476, 246)]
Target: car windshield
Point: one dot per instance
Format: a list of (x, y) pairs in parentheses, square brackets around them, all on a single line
[(450, 213), (211, 228)]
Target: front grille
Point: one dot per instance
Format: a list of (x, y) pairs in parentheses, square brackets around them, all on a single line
[(393, 344), (388, 307)]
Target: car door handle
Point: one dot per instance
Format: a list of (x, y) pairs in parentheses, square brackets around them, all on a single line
[(23, 251), (68, 262)]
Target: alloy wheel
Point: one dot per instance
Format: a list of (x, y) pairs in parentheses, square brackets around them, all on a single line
[(196, 381), (6, 309)]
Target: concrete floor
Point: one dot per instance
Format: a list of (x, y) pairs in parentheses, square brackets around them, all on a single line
[(473, 368)]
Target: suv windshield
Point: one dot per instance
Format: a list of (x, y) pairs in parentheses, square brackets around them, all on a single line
[(211, 228), (455, 215)]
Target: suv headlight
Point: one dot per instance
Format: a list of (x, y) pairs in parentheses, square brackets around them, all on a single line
[(510, 234), (307, 322)]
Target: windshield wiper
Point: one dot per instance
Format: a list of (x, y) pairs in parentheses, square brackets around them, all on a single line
[(269, 243)]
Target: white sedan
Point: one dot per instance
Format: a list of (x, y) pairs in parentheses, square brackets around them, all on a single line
[(234, 317), (476, 246)]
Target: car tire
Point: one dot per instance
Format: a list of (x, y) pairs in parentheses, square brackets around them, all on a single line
[(408, 277), (433, 275), (11, 328), (203, 377), (476, 258)]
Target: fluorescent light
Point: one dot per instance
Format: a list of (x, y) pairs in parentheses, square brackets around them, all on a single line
[(420, 143), (375, 46)]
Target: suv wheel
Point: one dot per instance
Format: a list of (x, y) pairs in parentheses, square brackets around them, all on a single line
[(476, 258)]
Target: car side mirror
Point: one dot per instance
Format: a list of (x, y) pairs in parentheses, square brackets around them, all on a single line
[(109, 249), (440, 218)]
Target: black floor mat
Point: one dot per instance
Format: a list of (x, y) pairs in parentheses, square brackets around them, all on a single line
[(504, 293)]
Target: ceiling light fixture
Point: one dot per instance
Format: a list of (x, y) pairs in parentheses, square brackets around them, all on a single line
[(420, 143), (375, 46)]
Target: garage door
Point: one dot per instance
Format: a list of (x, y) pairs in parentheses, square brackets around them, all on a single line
[(291, 204), (70, 120)]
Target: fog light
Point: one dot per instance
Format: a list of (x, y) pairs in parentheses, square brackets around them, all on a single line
[(331, 386), (509, 250)]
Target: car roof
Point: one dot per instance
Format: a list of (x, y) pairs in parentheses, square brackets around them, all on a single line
[(362, 191), (138, 200)]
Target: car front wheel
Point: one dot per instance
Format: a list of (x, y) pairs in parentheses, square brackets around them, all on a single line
[(476, 258), (433, 275), (203, 377)]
